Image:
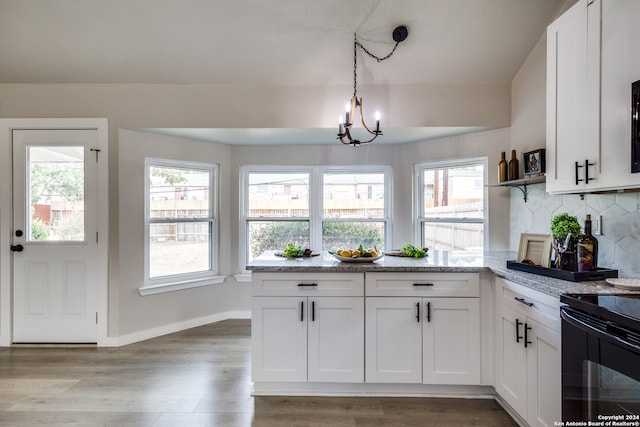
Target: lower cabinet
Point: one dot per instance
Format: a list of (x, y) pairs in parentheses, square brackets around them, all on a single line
[(315, 339), (528, 363), (422, 340)]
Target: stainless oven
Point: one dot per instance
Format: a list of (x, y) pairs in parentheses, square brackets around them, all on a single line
[(601, 359)]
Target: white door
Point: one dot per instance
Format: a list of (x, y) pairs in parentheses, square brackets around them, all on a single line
[(336, 339), (54, 240)]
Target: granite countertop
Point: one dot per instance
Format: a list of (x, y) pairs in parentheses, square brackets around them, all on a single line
[(434, 262)]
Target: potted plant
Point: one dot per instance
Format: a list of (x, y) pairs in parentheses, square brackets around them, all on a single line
[(565, 229)]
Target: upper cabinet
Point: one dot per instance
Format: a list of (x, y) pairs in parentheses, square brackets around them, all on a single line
[(590, 68)]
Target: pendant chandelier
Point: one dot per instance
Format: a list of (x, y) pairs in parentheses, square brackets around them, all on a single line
[(353, 107)]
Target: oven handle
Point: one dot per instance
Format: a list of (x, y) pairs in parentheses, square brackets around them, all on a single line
[(566, 315)]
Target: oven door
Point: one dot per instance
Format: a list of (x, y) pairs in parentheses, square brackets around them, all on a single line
[(600, 369)]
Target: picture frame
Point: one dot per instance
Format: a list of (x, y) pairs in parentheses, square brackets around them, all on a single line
[(534, 162), (535, 249)]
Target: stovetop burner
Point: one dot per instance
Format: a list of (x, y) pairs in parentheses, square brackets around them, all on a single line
[(621, 308)]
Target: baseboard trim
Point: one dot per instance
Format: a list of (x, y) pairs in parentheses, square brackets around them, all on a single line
[(173, 327)]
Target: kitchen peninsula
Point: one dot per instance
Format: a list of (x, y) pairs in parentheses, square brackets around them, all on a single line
[(437, 326)]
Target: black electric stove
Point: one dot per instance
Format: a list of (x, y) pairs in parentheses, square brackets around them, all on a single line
[(600, 356), (623, 309)]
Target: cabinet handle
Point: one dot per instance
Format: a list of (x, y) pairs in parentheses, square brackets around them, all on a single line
[(518, 337), (428, 312), (418, 312), (307, 285), (302, 311), (586, 171), (526, 335), (578, 165), (423, 284), (313, 311), (523, 301)]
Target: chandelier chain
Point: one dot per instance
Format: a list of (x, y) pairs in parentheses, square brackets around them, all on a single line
[(356, 45)]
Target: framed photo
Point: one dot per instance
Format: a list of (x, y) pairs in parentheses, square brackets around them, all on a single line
[(534, 162), (535, 249)]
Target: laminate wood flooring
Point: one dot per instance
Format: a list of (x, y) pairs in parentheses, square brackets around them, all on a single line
[(197, 377)]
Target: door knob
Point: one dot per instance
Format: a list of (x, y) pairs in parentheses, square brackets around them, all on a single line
[(17, 248)]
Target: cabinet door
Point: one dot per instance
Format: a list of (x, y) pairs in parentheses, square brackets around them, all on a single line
[(451, 341), (511, 359), (393, 340), (543, 375), (336, 339), (573, 87), (279, 339), (620, 68)]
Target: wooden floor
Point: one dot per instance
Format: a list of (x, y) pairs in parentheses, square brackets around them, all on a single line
[(198, 377)]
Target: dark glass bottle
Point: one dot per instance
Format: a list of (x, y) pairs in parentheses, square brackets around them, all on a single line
[(502, 168), (587, 248), (514, 167)]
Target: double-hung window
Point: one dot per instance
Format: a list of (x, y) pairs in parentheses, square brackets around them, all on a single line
[(451, 204), (315, 207), (180, 221)]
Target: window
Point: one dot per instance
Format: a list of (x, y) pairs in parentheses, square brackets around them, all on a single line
[(180, 220), (451, 199), (320, 208)]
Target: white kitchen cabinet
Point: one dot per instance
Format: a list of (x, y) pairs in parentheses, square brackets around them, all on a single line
[(591, 63), (451, 341), (300, 335), (528, 363), (415, 334)]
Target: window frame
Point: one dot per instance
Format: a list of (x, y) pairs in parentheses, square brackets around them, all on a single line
[(420, 219), (316, 190), (187, 280)]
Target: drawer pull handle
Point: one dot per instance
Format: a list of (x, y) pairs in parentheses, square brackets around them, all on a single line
[(303, 285), (524, 301), (423, 284)]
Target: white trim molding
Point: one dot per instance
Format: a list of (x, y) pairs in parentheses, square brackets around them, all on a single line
[(178, 286)]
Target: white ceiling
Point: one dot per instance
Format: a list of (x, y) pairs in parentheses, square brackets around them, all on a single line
[(267, 42)]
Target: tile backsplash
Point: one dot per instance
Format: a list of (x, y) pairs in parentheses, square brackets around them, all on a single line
[(619, 241)]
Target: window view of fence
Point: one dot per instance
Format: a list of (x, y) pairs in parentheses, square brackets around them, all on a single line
[(452, 207), (180, 220), (278, 210)]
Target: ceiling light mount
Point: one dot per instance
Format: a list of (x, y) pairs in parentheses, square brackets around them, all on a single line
[(354, 106)]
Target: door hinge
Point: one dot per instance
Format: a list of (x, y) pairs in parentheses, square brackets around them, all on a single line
[(96, 317), (96, 237)]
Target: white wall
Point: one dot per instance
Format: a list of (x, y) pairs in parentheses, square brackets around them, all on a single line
[(131, 106)]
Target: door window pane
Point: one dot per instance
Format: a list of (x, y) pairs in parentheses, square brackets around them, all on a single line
[(56, 193)]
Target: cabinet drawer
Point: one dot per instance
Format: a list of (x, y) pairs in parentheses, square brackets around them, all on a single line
[(423, 284), (534, 304), (308, 284)]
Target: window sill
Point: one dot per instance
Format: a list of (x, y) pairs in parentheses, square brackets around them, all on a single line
[(178, 286)]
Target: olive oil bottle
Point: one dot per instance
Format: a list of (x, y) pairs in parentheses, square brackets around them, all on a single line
[(587, 248)]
